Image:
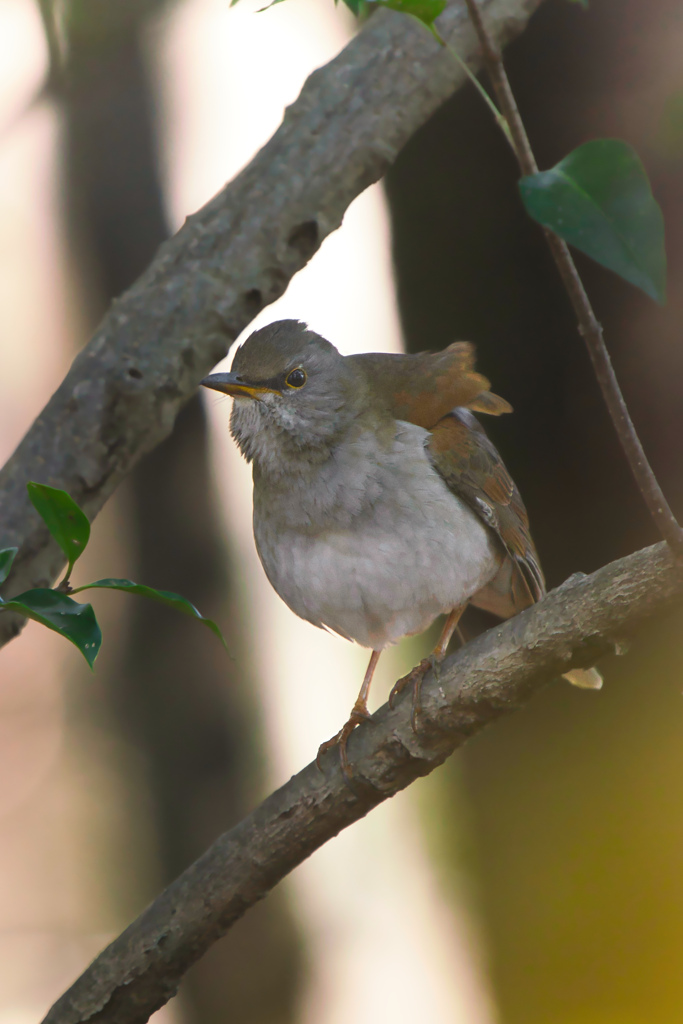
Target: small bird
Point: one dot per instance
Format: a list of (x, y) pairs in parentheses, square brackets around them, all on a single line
[(379, 502)]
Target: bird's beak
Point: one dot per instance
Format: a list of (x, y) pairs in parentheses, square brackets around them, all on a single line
[(235, 385)]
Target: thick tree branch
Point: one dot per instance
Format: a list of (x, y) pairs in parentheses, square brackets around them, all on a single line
[(237, 254), (491, 676), (589, 326)]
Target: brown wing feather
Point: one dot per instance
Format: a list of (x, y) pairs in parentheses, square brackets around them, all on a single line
[(424, 387), (473, 469)]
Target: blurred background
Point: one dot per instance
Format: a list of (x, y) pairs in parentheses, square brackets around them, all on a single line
[(534, 879)]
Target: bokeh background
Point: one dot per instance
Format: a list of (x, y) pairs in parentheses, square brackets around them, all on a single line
[(536, 878)]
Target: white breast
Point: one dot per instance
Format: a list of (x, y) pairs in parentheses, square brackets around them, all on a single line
[(413, 552)]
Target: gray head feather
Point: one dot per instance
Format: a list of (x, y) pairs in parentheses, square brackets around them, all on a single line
[(286, 420)]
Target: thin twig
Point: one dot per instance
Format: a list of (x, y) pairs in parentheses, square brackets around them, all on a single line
[(589, 328), (500, 120), (55, 70)]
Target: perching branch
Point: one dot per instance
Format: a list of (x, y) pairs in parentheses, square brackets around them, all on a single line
[(494, 674), (589, 327), (236, 255)]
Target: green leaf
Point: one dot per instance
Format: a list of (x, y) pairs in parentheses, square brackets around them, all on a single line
[(67, 523), (75, 622), (163, 596), (426, 11), (600, 201), (355, 6), (7, 556)]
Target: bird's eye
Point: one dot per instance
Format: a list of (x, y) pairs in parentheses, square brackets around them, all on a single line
[(297, 378)]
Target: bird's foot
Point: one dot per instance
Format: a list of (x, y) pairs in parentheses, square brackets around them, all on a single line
[(415, 679), (359, 714)]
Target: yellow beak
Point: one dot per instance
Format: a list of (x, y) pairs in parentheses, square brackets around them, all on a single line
[(235, 385)]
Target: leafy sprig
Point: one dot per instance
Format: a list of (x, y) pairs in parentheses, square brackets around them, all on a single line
[(54, 608)]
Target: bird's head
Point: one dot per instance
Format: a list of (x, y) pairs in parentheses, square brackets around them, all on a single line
[(292, 390)]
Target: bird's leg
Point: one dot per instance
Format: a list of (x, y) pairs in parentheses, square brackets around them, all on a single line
[(450, 626), (416, 675), (359, 713)]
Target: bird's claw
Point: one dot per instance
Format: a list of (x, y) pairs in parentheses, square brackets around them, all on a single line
[(407, 680), (415, 679), (340, 740)]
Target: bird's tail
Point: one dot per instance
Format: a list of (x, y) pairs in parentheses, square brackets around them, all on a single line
[(584, 678)]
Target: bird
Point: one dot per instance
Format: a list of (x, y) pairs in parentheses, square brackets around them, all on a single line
[(379, 502)]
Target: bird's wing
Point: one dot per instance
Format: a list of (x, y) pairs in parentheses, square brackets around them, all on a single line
[(422, 388), (472, 468)]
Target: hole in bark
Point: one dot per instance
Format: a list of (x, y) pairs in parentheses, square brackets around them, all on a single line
[(134, 373), (305, 238), (254, 300)]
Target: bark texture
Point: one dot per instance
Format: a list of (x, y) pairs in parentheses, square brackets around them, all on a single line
[(491, 676), (124, 391)]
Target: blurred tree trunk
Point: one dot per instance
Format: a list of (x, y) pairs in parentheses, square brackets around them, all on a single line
[(573, 801), (176, 695)]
